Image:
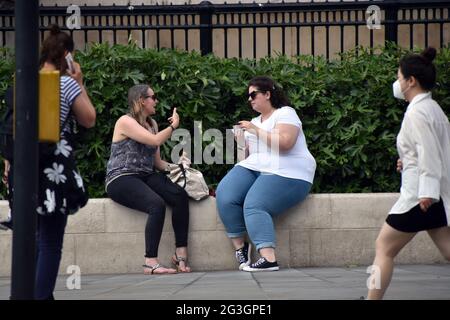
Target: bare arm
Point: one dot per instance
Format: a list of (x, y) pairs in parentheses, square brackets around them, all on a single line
[(285, 134), (7, 167), (127, 127), (82, 106), (159, 163)]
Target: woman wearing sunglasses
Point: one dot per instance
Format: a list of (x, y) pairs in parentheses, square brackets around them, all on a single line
[(276, 174), (132, 181)]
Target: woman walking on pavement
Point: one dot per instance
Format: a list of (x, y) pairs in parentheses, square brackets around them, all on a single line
[(423, 145)]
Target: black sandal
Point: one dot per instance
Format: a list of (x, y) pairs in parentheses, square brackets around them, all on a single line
[(156, 266), (176, 262)]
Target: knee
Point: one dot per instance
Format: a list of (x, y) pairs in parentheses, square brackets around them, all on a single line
[(157, 207), (383, 249), (224, 196), (253, 204)]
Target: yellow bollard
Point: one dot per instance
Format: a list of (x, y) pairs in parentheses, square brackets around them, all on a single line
[(49, 104)]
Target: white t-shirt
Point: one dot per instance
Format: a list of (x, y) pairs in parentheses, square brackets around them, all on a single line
[(297, 163)]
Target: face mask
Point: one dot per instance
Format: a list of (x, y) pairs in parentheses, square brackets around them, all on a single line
[(398, 93), (398, 90)]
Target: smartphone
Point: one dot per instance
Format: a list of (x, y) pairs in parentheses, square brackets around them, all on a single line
[(69, 60)]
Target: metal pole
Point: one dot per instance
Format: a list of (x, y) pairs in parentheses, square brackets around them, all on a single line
[(391, 28), (206, 39), (25, 149)]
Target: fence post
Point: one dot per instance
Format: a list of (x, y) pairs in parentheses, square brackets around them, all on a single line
[(391, 24), (206, 11)]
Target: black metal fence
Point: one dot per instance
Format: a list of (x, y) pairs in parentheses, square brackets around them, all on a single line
[(255, 30)]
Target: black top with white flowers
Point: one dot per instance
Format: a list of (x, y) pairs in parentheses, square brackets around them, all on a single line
[(61, 189)]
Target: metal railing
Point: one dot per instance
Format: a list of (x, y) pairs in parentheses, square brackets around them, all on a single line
[(255, 30)]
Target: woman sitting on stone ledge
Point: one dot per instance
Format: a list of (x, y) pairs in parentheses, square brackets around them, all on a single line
[(131, 179), (277, 174)]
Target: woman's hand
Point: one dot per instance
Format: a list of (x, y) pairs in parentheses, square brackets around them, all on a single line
[(425, 203), (174, 119), (7, 167), (399, 165), (77, 75), (170, 167), (248, 126)]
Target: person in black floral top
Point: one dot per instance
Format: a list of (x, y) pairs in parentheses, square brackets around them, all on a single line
[(61, 189)]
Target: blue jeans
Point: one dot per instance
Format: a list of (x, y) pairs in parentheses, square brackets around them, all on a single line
[(50, 236), (248, 201)]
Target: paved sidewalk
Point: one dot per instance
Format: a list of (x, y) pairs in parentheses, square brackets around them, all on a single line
[(409, 282)]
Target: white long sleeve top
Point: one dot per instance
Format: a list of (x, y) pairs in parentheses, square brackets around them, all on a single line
[(423, 145)]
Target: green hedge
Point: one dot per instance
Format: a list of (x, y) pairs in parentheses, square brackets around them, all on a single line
[(349, 115)]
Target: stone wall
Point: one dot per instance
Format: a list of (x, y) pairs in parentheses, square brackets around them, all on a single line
[(325, 230)]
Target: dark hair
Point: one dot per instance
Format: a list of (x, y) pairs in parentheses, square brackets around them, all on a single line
[(421, 67), (54, 46), (266, 84)]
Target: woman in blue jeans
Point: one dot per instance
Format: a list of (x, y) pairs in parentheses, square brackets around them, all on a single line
[(276, 174)]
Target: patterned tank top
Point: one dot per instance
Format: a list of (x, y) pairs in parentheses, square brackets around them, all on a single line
[(129, 157)]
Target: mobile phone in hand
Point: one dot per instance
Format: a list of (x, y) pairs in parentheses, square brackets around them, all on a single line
[(69, 60)]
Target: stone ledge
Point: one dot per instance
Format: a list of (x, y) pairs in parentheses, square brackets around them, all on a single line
[(325, 230)]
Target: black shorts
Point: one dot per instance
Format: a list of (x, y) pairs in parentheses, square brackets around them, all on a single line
[(416, 220)]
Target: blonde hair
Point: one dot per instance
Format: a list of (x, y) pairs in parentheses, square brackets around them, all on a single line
[(135, 93)]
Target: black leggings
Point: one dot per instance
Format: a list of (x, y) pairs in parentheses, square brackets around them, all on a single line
[(149, 193)]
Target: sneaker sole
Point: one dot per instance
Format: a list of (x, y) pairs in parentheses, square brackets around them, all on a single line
[(249, 262), (248, 269)]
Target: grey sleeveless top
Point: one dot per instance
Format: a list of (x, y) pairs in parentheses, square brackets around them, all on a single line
[(129, 157)]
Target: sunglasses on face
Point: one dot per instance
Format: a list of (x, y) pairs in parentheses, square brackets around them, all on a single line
[(152, 96), (252, 95)]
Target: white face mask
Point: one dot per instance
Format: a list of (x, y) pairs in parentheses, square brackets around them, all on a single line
[(398, 93), (398, 90)]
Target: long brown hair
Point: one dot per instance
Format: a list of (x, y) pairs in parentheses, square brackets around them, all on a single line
[(135, 94), (54, 48)]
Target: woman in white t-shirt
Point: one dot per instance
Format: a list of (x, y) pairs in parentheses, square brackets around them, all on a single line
[(277, 173)]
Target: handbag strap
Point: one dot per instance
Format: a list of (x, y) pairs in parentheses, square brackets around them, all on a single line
[(183, 172)]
